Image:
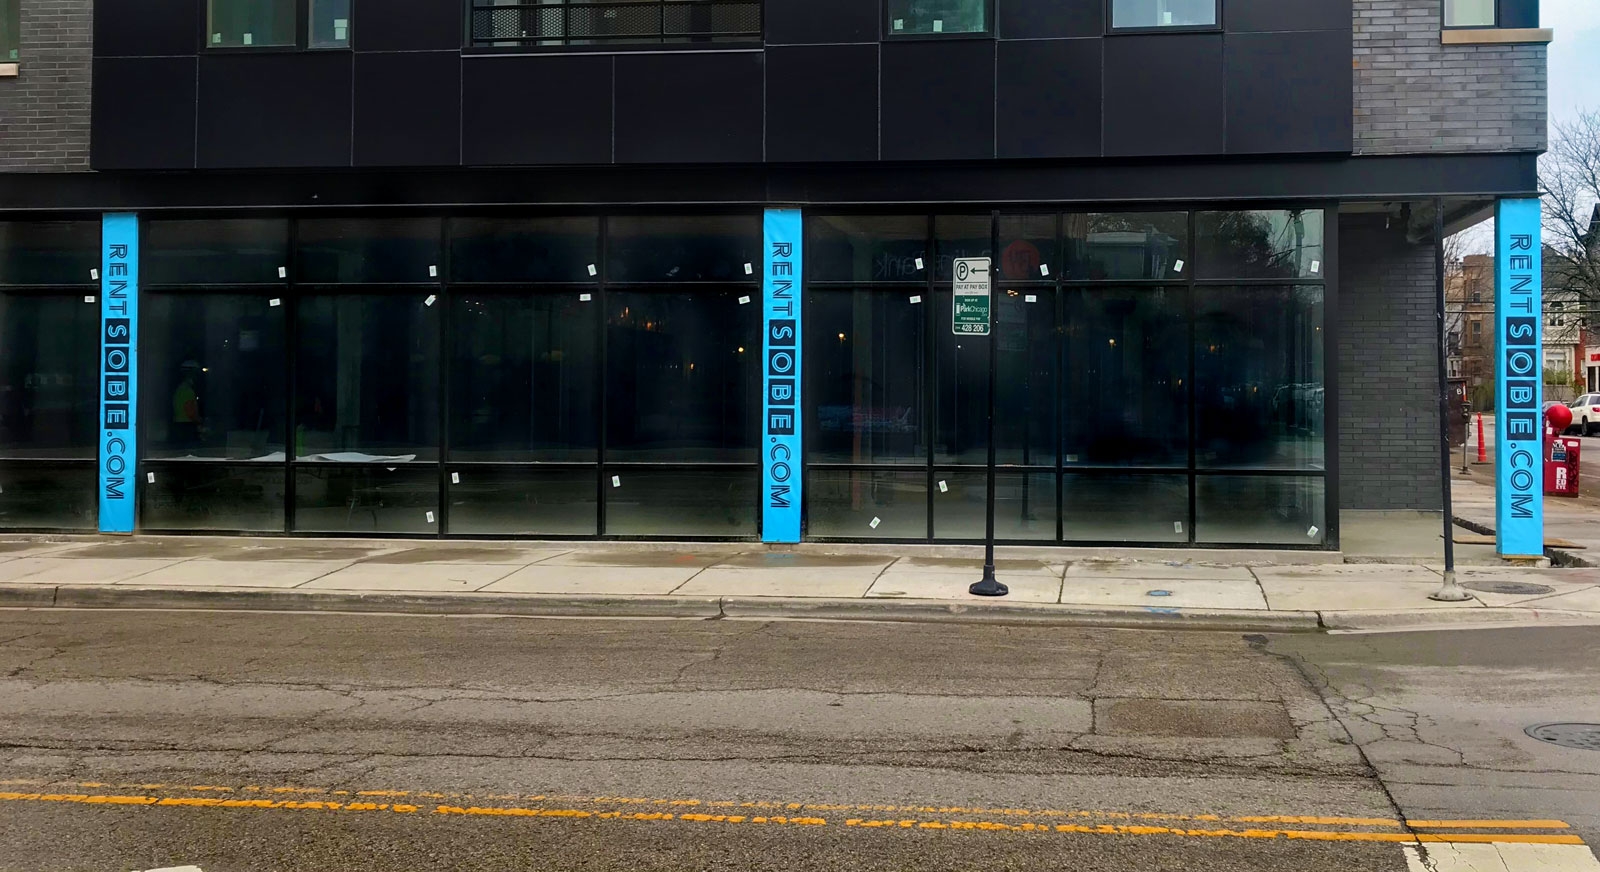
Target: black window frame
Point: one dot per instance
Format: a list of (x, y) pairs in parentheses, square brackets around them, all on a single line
[(988, 32), (302, 34), (1112, 29), (742, 40), (1445, 24)]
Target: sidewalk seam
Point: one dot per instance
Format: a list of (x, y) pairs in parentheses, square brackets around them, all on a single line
[(323, 575)]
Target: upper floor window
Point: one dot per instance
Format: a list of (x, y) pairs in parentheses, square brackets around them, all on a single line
[(276, 23), (513, 23), (1156, 14), (938, 16), (1469, 13), (10, 30)]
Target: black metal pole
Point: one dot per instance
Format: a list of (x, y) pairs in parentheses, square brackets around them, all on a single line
[(989, 585), (1450, 591)]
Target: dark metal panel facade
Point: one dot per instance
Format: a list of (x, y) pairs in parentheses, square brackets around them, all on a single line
[(275, 110), (938, 100), (823, 103), (1049, 101), (408, 109), (572, 125)]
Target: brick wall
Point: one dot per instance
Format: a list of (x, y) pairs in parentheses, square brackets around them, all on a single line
[(1388, 369), (1413, 94), (44, 112)]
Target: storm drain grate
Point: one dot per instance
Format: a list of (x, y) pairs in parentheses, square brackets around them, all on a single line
[(1585, 737), (1510, 588)]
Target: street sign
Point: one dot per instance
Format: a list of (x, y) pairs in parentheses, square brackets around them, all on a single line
[(970, 317)]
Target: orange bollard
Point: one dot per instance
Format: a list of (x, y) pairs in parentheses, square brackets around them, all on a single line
[(1483, 453)]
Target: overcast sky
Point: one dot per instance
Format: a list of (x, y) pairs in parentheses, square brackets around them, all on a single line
[(1574, 56)]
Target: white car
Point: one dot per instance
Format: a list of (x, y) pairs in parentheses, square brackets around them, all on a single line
[(1586, 414)]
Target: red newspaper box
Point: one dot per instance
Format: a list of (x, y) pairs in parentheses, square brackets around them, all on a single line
[(1561, 466)]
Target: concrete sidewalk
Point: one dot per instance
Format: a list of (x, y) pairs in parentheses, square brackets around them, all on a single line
[(1571, 520), (909, 583)]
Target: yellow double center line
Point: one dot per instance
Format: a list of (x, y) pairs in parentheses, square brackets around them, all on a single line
[(695, 811)]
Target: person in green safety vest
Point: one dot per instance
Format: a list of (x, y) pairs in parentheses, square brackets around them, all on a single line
[(186, 419)]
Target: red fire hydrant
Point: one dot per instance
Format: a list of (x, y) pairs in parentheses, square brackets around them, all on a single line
[(1561, 455)]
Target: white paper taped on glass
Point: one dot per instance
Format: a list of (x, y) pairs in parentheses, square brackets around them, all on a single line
[(616, 481), (875, 523)]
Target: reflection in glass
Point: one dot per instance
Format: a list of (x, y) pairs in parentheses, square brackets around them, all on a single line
[(213, 496), (865, 362), (238, 23), (699, 502), (1266, 510), (1024, 505), (1258, 377), (866, 248), (524, 249), (1263, 244), (1126, 245), (330, 24), (1027, 243), (938, 16), (684, 248), (367, 373), (211, 376), (683, 377), (1125, 401), (48, 252), (49, 376), (384, 250), (959, 236), (1025, 409), (845, 503), (48, 496), (333, 498), (212, 251), (524, 374), (518, 501), (1125, 508), (1163, 13)]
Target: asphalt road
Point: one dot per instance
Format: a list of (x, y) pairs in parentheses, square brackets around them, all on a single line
[(134, 740)]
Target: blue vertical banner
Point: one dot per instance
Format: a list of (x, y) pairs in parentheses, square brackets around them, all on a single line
[(119, 374), (1519, 374), (782, 460)]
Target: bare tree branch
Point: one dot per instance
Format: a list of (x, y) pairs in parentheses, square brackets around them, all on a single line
[(1570, 175)]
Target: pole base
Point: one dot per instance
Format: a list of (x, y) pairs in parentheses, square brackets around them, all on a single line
[(1450, 592), (989, 586)]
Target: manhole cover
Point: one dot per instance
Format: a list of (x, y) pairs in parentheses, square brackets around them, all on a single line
[(1511, 588), (1582, 736)]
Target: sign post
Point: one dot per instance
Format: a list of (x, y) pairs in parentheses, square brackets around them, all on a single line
[(972, 316)]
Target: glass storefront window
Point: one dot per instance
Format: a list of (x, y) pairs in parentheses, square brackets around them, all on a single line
[(213, 496), (959, 236), (335, 498), (865, 361), (1124, 397), (524, 378), (49, 376), (371, 250), (709, 248), (208, 251), (49, 252), (1024, 505), (1029, 248), (243, 23), (524, 249), (1126, 245), (48, 496), (683, 377), (212, 377), (866, 248), (1261, 244), (695, 502), (1258, 377), (867, 504), (1097, 507), (938, 16), (1025, 406), (522, 501), (367, 378), (1264, 510)]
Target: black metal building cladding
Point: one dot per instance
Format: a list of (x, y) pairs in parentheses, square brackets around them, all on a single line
[(826, 84)]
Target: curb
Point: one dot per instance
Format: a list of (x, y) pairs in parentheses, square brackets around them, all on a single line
[(581, 606), (1461, 618)]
